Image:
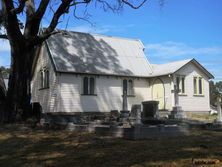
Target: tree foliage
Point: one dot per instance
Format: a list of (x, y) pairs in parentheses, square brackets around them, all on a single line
[(5, 71), (22, 20), (215, 91), (35, 11)]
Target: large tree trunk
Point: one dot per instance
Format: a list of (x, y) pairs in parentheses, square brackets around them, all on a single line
[(18, 95)]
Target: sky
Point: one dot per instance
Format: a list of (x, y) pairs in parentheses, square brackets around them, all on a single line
[(176, 30)]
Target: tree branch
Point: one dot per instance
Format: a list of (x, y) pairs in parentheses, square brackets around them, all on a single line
[(34, 18), (3, 36), (84, 18), (64, 6), (41, 38), (11, 21), (113, 8), (132, 6), (41, 9), (20, 7)]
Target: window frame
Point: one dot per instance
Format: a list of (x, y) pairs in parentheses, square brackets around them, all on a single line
[(181, 84), (89, 91), (129, 87), (197, 86), (44, 78)]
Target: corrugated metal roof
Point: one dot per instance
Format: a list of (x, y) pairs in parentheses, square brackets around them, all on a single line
[(98, 54), (168, 68)]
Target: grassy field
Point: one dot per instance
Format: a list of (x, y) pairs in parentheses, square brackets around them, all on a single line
[(201, 117), (21, 146)]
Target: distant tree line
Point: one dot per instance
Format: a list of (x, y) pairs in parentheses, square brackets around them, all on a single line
[(215, 89), (5, 72)]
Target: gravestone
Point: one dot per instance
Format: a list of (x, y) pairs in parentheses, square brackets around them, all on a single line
[(124, 113), (135, 115), (150, 109), (219, 114), (114, 114), (177, 112)]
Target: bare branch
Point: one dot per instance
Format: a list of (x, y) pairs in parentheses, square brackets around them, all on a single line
[(34, 17), (84, 18), (41, 38), (3, 36), (132, 6), (108, 6), (11, 21), (60, 11), (81, 2), (20, 7), (42, 8)]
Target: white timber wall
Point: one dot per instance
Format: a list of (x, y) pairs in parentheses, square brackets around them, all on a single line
[(46, 97), (189, 101), (108, 90)]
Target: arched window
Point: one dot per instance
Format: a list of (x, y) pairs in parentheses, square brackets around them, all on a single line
[(85, 86), (41, 79), (92, 84), (128, 86), (124, 86), (44, 78), (180, 83), (198, 86), (88, 85)]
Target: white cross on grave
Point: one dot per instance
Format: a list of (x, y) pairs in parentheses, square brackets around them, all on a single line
[(219, 114)]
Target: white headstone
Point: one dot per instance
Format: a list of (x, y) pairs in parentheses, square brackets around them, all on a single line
[(219, 115)]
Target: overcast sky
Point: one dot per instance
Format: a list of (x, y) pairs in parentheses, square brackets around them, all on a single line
[(181, 29)]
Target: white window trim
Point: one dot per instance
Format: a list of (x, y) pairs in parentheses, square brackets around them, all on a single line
[(133, 90), (180, 84), (82, 85), (43, 78), (197, 86)]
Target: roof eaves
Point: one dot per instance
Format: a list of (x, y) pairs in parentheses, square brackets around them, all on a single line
[(182, 66), (200, 66), (203, 69), (50, 56), (103, 74)]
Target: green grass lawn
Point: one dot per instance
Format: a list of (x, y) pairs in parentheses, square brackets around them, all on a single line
[(35, 148)]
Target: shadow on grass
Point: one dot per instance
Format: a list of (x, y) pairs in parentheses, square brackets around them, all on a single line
[(21, 147)]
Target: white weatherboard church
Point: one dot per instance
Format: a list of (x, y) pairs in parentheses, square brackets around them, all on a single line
[(80, 72)]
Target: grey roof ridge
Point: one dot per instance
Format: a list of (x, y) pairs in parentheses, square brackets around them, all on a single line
[(172, 62), (96, 34)]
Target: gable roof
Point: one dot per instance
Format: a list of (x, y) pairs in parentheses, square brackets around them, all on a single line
[(97, 54), (84, 53), (170, 68)]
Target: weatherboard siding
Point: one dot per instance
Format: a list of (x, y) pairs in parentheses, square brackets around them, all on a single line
[(48, 98), (190, 102), (108, 92)]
